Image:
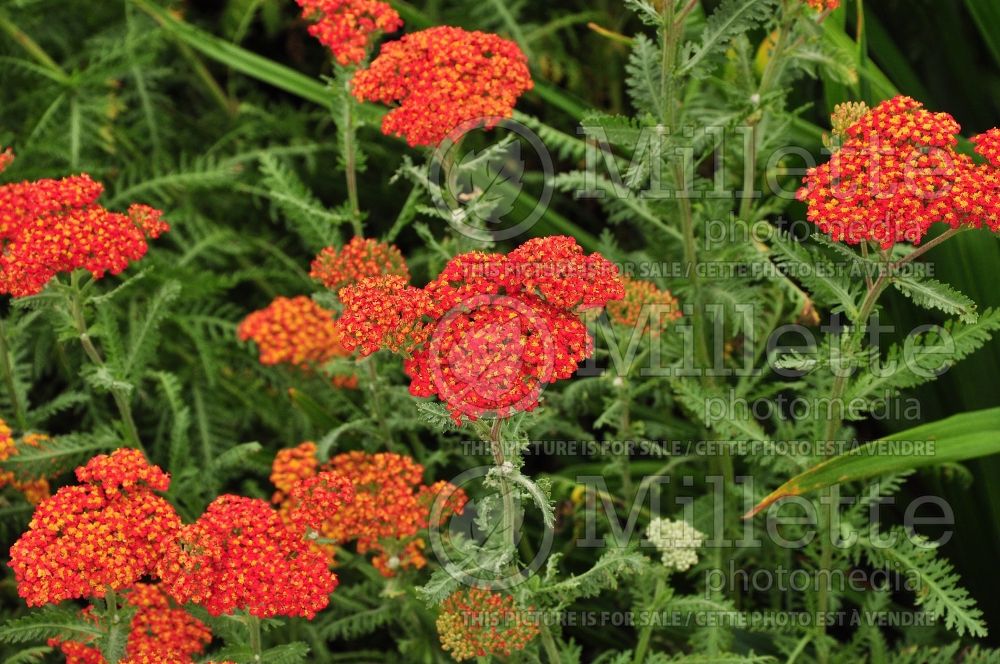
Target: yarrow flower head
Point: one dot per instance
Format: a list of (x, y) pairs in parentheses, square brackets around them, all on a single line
[(108, 532), (315, 499), (383, 312), (644, 302), (896, 174), (988, 145), (35, 489), (294, 331), (443, 78), (123, 470), (241, 555), (358, 259), (347, 27), (491, 330), (479, 623), (49, 227), (159, 632), (677, 541), (291, 466), (386, 504)]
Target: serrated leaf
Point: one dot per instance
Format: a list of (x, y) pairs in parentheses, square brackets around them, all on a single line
[(932, 294)]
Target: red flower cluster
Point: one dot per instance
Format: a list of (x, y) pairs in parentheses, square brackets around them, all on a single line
[(479, 623), (48, 227), (358, 259), (314, 499), (34, 490), (443, 78), (492, 330), (988, 145), (240, 555), (383, 312), (896, 174), (347, 27), (126, 470), (294, 331), (158, 633), (109, 531), (391, 505), (640, 295)]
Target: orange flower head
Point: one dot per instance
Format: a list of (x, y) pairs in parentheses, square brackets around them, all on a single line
[(383, 312), (91, 536), (294, 331), (123, 470), (502, 327), (159, 632), (479, 623), (35, 490), (347, 27), (444, 78), (49, 227), (988, 145), (292, 465), (895, 175), (316, 499), (388, 509), (640, 295), (359, 258), (241, 555)]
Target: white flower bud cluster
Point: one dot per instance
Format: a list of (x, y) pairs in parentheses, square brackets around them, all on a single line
[(677, 542)]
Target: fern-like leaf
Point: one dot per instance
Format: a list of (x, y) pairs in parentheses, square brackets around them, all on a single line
[(47, 623), (731, 19), (938, 591)]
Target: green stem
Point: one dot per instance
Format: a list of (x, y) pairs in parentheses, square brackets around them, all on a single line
[(832, 426), (114, 646), (642, 647), (750, 172), (253, 629), (549, 643), (624, 427), (120, 396), (7, 361), (836, 421), (374, 388), (506, 490), (351, 165)]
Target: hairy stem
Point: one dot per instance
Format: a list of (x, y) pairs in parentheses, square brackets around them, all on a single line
[(7, 364), (832, 427), (351, 165), (549, 643), (642, 647), (120, 396), (114, 645), (253, 630), (506, 490), (375, 390), (624, 427)]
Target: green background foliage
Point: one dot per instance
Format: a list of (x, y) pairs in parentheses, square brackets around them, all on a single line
[(224, 114)]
